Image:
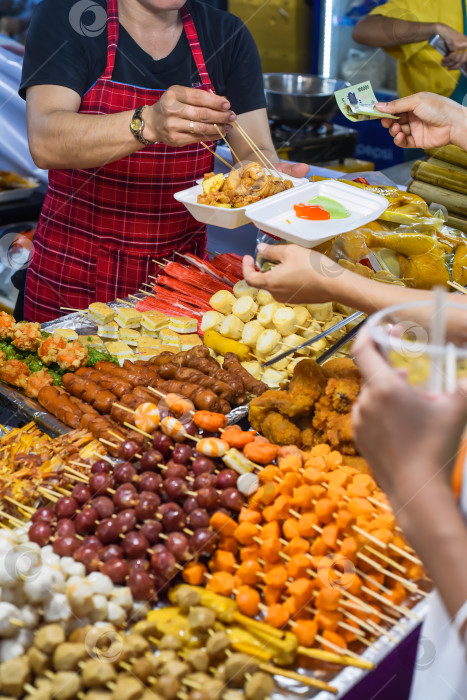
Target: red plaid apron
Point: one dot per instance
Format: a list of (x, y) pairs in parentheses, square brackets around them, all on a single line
[(100, 228)]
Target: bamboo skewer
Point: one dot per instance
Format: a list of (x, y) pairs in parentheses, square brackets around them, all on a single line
[(217, 155), (256, 150), (458, 286), (227, 143)]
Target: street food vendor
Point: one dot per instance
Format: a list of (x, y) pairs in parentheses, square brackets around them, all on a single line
[(119, 96), (403, 29)]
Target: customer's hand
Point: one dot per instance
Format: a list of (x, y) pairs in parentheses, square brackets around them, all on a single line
[(302, 276), (426, 121), (293, 169), (410, 438)]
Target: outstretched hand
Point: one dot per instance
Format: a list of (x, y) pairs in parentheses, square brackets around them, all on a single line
[(426, 121)]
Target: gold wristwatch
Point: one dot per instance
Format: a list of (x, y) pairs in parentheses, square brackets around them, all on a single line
[(137, 126)]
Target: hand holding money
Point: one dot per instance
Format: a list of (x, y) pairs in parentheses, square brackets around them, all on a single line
[(426, 121), (358, 103)]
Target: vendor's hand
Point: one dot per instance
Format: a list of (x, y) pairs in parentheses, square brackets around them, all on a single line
[(409, 438), (302, 276), (457, 45), (293, 169), (426, 121), (169, 119)]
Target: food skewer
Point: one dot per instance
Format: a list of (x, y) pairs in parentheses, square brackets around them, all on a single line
[(227, 143), (259, 154), (216, 155)]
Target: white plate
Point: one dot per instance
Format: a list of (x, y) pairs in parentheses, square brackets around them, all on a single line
[(218, 216), (271, 215), (18, 192)]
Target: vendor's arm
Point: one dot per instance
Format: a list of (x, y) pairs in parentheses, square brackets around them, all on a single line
[(380, 31), (306, 276), (386, 32), (61, 137), (426, 121), (256, 125), (411, 440)]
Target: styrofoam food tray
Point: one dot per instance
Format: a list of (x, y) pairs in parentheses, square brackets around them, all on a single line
[(226, 218), (271, 215)]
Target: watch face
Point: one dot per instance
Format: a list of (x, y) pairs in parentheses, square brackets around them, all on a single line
[(136, 124)]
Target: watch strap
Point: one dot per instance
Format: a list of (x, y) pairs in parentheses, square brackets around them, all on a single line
[(138, 114)]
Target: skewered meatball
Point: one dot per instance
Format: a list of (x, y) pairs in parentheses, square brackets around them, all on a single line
[(65, 685), (73, 356), (200, 618), (35, 382), (49, 637), (94, 673), (7, 323), (26, 336), (14, 674), (67, 656), (258, 686), (49, 349), (14, 372)]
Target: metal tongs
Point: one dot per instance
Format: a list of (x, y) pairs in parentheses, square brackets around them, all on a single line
[(336, 327)]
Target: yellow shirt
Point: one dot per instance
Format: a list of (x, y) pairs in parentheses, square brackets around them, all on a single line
[(419, 64)]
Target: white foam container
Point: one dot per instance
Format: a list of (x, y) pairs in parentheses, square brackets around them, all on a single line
[(226, 218), (271, 215)]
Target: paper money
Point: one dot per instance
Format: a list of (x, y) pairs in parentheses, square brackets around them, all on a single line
[(357, 103)]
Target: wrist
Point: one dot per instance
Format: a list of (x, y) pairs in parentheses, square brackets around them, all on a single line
[(150, 129), (416, 500), (458, 126)]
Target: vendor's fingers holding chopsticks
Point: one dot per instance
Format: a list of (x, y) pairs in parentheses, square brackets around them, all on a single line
[(187, 115)]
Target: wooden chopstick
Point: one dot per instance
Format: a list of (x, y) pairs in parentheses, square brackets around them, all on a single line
[(256, 150), (217, 155), (227, 143)]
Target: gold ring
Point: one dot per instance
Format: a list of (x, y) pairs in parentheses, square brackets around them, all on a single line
[(192, 127)]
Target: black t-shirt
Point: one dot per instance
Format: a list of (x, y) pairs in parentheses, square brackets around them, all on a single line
[(66, 48)]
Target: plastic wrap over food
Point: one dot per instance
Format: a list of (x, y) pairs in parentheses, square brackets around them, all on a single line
[(419, 255)]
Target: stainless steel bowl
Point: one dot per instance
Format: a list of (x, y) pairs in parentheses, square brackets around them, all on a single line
[(295, 98)]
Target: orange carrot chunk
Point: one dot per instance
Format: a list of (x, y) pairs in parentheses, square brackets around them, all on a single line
[(270, 549), (247, 572), (245, 533), (224, 561), (306, 631), (194, 574), (248, 600), (298, 566), (247, 515), (221, 523), (276, 577), (277, 616), (222, 583)]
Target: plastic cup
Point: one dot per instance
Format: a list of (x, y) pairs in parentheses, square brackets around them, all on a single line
[(403, 334)]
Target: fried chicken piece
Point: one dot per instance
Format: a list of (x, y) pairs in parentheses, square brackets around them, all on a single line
[(307, 377), (339, 433), (340, 367), (308, 438), (280, 430), (262, 405), (342, 393)]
